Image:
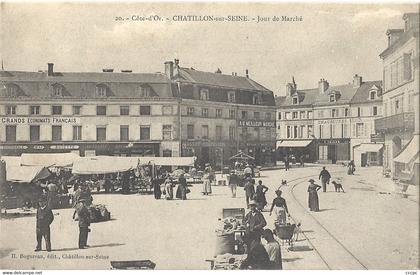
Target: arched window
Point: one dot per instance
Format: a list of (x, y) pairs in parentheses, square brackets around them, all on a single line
[(231, 96), (372, 95), (57, 90), (332, 98), (102, 90), (256, 99), (146, 91), (204, 94), (12, 90)]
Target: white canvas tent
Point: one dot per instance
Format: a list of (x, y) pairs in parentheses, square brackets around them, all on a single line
[(47, 160), (104, 165), (15, 172)]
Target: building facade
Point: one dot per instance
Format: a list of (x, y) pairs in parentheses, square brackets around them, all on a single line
[(400, 121), (331, 123), (182, 112)]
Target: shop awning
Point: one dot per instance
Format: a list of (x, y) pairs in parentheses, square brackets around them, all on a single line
[(47, 160), (168, 161), (26, 174), (293, 143), (370, 147), (409, 152), (104, 165)]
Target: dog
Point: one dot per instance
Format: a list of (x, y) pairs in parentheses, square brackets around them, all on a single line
[(283, 182), (338, 186)]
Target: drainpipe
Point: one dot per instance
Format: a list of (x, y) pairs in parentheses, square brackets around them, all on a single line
[(179, 118)]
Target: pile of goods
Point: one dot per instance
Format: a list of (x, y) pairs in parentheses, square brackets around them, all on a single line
[(99, 213), (228, 261), (229, 225)]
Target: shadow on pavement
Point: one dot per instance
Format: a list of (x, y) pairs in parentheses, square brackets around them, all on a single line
[(288, 260), (300, 248), (16, 215), (326, 209), (93, 246)]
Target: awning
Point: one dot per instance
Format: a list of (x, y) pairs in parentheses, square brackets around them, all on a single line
[(409, 152), (369, 147), (104, 165), (26, 174), (241, 155), (168, 161), (293, 143), (47, 160)]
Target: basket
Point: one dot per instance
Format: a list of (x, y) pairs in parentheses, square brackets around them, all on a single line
[(237, 213), (285, 232)]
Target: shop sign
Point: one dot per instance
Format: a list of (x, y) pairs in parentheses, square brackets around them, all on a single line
[(377, 137), (254, 123), (333, 141), (40, 120), (187, 144), (332, 121)]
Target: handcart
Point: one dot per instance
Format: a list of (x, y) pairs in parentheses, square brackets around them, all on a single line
[(286, 233)]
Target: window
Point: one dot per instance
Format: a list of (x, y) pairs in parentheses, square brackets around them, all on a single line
[(287, 115), (303, 115), (219, 132), (288, 134), (145, 110), (231, 133), (346, 112), (34, 110), (34, 133), (204, 94), (310, 132), (205, 112), (256, 115), (167, 153), (144, 132), (124, 110), (10, 110), (323, 152), (219, 112), (77, 110), (57, 110), (267, 133), (333, 113), (375, 110), (411, 101), (372, 95), (190, 111), (295, 101), (167, 132), (190, 131), (267, 116), (256, 100), (10, 133), (295, 131), (100, 133), (231, 96), (204, 131), (373, 156), (359, 111), (77, 132), (279, 115), (56, 133), (101, 90), (359, 129), (333, 134), (145, 91), (407, 66), (295, 115), (232, 114), (167, 110), (244, 114), (101, 110), (124, 133), (321, 131), (309, 114), (332, 98), (12, 90), (321, 113), (58, 90), (245, 133), (301, 131), (344, 130)]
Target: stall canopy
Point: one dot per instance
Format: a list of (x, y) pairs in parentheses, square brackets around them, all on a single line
[(26, 174), (241, 155), (47, 160), (409, 152), (104, 165), (293, 143), (168, 161), (370, 147)]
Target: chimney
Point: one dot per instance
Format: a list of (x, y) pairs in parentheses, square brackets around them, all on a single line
[(322, 85), (169, 69), (289, 90), (393, 35), (357, 81), (411, 20), (246, 73), (50, 69), (107, 70), (126, 71)]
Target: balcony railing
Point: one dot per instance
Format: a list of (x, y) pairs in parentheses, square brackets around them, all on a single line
[(403, 121)]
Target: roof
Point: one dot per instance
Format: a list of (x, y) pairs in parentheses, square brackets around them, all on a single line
[(362, 94), (82, 84), (346, 93), (218, 79), (404, 37), (279, 100)]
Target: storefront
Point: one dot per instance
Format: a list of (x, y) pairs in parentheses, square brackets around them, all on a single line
[(295, 149), (263, 152), (368, 154), (83, 148), (333, 150)]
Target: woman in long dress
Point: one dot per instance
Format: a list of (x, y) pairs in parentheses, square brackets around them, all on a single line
[(313, 195), (207, 180), (280, 208), (169, 189), (260, 191)]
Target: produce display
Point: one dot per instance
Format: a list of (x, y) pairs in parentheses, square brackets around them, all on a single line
[(228, 261), (99, 213), (229, 225)]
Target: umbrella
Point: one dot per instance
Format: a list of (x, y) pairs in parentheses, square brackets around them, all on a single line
[(177, 173)]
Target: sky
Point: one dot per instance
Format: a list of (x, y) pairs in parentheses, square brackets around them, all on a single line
[(334, 41)]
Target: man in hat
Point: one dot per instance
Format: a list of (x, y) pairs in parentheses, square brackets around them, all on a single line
[(249, 190), (233, 182), (325, 177), (254, 222), (84, 222), (44, 218)]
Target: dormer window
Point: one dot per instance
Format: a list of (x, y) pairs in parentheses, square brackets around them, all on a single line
[(101, 90), (204, 94), (295, 100), (57, 90), (231, 96), (332, 98), (12, 90), (372, 95), (146, 91), (256, 100)]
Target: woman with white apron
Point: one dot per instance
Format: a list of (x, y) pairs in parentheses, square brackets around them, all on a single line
[(280, 208)]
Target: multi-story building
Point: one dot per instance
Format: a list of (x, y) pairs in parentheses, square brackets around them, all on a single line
[(400, 121), (222, 114), (182, 112), (331, 124)]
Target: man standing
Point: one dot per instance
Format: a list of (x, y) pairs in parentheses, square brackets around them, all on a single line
[(44, 217), (325, 177), (248, 171), (254, 223), (249, 190), (84, 222), (233, 183)]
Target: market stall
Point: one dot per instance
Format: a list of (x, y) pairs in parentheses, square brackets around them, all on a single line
[(48, 160)]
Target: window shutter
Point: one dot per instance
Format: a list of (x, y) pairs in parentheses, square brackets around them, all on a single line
[(353, 130), (407, 66)]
